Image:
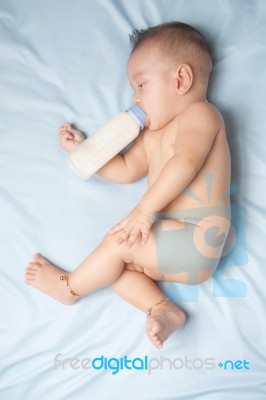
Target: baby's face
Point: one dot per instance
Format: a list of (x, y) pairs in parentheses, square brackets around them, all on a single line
[(154, 86)]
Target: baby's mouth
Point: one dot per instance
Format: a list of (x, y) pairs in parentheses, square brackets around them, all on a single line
[(147, 123)]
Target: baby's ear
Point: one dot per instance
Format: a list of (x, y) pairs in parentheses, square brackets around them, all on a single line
[(183, 78)]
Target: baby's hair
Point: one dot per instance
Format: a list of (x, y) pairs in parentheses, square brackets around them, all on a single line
[(177, 42)]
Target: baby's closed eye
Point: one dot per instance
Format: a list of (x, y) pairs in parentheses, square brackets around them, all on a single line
[(140, 86)]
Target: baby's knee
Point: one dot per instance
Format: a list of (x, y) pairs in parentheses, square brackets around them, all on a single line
[(110, 240), (110, 244)]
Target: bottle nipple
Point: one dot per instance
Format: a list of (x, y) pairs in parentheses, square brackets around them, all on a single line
[(138, 114)]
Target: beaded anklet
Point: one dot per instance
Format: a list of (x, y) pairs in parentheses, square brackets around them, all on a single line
[(66, 278), (155, 305)]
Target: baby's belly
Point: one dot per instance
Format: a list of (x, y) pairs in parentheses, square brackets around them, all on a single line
[(207, 189)]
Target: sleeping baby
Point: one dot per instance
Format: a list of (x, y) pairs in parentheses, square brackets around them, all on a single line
[(177, 231)]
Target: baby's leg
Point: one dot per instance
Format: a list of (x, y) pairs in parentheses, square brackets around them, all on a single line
[(103, 267), (45, 277), (142, 292)]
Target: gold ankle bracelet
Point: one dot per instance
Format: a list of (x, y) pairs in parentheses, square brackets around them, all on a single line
[(155, 305), (66, 278)]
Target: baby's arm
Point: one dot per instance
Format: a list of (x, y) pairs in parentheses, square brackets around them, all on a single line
[(121, 168), (196, 132), (129, 167)]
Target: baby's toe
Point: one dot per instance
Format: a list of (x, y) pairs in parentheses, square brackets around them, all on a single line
[(30, 271), (157, 342), (28, 281), (39, 260), (29, 275), (33, 265), (153, 335), (36, 256)]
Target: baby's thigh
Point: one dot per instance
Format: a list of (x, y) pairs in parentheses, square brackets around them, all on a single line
[(145, 257), (148, 272)]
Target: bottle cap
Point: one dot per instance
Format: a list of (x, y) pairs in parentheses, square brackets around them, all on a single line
[(139, 114)]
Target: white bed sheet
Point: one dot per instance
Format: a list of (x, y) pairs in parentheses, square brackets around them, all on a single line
[(63, 61)]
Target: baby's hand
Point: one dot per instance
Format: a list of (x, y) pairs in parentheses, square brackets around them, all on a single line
[(69, 138), (137, 222)]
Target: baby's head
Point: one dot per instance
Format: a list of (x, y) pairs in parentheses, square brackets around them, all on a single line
[(177, 43), (167, 62)]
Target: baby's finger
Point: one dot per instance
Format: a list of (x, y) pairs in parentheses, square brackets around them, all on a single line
[(66, 136), (115, 229), (61, 132), (123, 236), (132, 238), (61, 127), (64, 127), (118, 227), (145, 233)]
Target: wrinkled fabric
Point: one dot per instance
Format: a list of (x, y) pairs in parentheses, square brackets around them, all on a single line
[(66, 61)]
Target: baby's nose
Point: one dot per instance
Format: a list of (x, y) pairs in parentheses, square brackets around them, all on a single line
[(135, 98)]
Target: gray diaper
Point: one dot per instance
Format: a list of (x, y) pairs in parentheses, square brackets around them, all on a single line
[(176, 249)]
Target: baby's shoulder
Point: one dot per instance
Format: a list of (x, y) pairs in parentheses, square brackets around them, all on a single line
[(202, 111)]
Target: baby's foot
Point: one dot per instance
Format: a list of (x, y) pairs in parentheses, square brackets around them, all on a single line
[(163, 321), (45, 277)]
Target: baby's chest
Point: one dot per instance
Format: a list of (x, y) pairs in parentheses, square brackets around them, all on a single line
[(160, 150)]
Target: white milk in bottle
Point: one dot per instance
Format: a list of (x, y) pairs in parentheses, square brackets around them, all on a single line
[(114, 136)]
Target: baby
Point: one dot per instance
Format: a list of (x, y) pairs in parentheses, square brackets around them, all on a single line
[(177, 231)]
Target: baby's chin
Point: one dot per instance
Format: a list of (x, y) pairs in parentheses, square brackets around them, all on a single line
[(153, 126)]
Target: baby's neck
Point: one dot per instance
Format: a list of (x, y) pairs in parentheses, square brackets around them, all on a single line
[(194, 95)]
